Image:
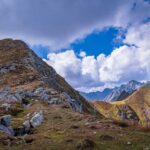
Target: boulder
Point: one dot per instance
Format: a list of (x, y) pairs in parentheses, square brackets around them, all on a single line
[(55, 101), (27, 125), (75, 104), (107, 137), (6, 106), (19, 131), (5, 120), (86, 144), (7, 130), (37, 119), (42, 93)]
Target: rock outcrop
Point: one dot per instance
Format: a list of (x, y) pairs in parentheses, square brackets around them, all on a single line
[(25, 76), (36, 120)]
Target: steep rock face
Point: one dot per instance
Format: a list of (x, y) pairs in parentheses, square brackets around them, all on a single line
[(115, 94), (122, 92), (24, 75)]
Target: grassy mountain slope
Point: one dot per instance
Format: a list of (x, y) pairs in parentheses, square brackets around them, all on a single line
[(138, 103), (66, 129)]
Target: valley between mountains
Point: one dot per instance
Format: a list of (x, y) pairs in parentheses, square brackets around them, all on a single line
[(39, 110)]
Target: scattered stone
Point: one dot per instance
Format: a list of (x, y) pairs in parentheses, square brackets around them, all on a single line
[(65, 106), (129, 143), (7, 130), (94, 132), (74, 126), (27, 126), (19, 131), (37, 119), (7, 68), (42, 94), (75, 104), (6, 106), (16, 110), (29, 138), (28, 115), (5, 120), (55, 101), (86, 144), (106, 137)]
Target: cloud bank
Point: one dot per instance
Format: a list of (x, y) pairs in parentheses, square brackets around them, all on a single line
[(87, 73), (57, 23)]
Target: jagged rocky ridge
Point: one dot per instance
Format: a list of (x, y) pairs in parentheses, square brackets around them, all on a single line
[(125, 90), (117, 93), (28, 76), (24, 77)]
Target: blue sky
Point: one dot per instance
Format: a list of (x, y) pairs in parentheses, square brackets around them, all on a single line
[(40, 50), (93, 44), (98, 42)]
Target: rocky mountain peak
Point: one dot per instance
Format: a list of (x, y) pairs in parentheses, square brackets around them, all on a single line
[(28, 76), (125, 90)]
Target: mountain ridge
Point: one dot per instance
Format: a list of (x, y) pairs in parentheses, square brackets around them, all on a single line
[(115, 94), (20, 66)]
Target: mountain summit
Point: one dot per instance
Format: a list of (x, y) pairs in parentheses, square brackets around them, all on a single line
[(125, 90), (23, 74), (114, 94)]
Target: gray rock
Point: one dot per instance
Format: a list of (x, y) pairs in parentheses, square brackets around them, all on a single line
[(42, 94), (19, 131), (12, 98), (39, 90), (6, 106), (75, 104), (27, 125), (37, 119), (7, 68), (6, 120), (7, 130), (55, 101)]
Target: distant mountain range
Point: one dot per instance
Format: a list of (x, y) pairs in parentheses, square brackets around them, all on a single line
[(135, 107), (125, 90), (97, 95), (115, 94)]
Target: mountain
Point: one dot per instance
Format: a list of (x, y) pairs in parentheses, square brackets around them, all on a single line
[(134, 108), (125, 90), (115, 94), (121, 112), (24, 72), (39, 110), (96, 95), (140, 103)]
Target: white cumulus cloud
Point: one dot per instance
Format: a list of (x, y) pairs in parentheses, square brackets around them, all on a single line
[(130, 61)]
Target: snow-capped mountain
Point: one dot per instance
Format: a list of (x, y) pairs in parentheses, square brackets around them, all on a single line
[(115, 94), (122, 92)]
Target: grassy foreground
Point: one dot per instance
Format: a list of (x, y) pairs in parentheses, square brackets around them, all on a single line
[(67, 130)]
